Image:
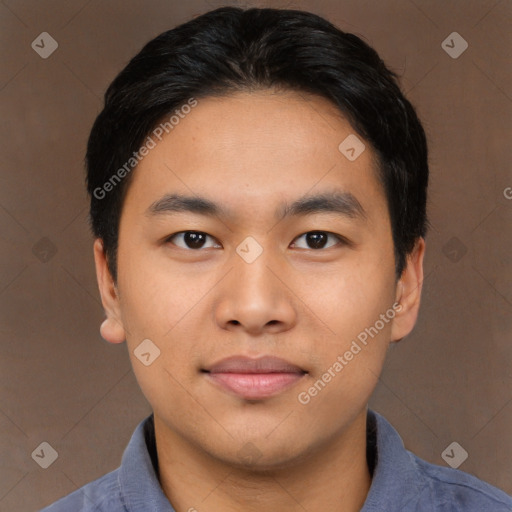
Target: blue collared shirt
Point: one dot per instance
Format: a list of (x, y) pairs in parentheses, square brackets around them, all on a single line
[(400, 480)]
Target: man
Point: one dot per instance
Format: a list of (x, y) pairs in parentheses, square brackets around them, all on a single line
[(258, 198)]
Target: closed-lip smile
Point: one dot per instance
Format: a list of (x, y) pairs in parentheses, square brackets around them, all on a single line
[(254, 378)]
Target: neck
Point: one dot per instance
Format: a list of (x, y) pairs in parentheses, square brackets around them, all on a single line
[(334, 477)]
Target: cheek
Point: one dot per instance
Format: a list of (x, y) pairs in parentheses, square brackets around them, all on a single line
[(158, 307), (351, 353), (158, 295), (349, 299), (157, 312), (349, 363)]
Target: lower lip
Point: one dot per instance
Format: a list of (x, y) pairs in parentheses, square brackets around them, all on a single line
[(255, 386)]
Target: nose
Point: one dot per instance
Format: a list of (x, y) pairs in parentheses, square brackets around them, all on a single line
[(255, 297)]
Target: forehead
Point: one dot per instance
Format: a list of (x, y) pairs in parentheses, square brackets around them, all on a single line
[(253, 149)]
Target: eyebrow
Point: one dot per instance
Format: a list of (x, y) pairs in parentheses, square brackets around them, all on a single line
[(338, 202)]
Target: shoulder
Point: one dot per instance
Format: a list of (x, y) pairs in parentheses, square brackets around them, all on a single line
[(405, 482), (453, 490), (101, 495)]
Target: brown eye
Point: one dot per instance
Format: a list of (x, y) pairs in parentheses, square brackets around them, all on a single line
[(190, 239), (318, 239)]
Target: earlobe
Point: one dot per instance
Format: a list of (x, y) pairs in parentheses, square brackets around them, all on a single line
[(408, 293), (111, 329)]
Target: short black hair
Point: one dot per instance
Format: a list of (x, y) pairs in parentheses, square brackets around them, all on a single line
[(230, 49)]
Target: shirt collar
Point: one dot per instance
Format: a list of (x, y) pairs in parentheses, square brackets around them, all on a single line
[(395, 476), (138, 480), (397, 481)]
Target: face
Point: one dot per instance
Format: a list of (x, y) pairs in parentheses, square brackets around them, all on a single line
[(289, 255)]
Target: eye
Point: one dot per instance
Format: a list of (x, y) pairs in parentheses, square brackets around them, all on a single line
[(318, 239), (190, 239)]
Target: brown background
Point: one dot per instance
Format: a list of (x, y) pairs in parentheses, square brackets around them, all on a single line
[(450, 380)]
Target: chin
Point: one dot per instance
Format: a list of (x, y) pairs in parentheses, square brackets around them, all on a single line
[(258, 457)]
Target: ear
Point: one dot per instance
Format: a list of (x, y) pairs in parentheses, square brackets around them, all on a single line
[(408, 293), (111, 329)]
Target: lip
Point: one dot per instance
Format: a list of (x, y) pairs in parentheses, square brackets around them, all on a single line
[(254, 379)]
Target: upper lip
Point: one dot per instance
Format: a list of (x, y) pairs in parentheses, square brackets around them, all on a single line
[(264, 364)]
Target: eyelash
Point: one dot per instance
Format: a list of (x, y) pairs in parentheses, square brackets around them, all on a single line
[(341, 240)]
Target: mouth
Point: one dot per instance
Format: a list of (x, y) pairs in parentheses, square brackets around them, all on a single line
[(254, 379)]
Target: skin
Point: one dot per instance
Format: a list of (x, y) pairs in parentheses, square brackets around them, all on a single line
[(251, 152)]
